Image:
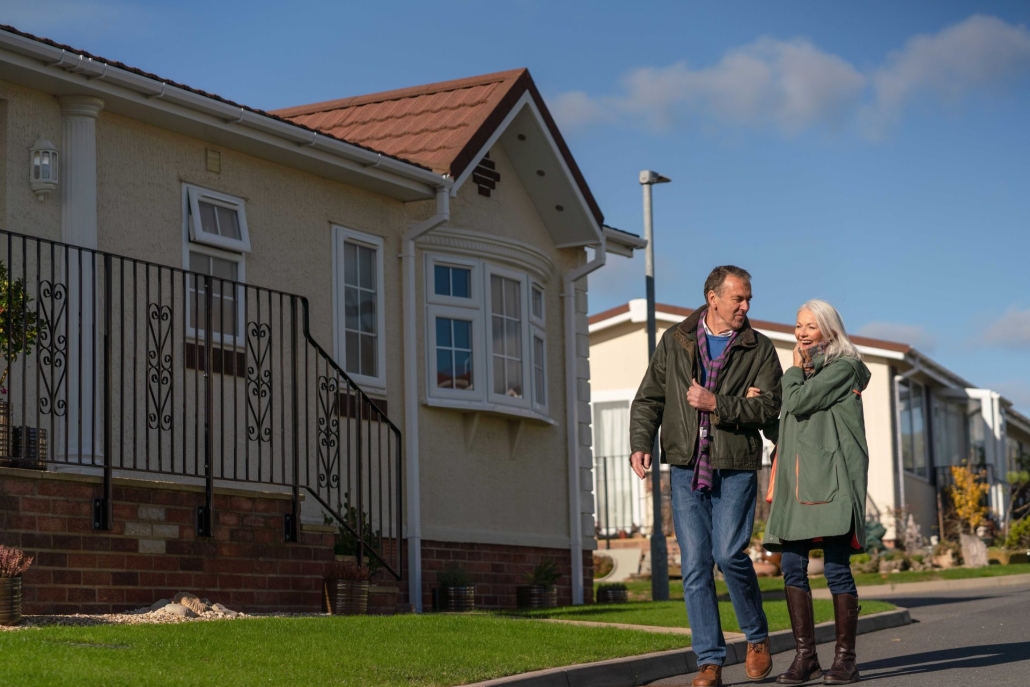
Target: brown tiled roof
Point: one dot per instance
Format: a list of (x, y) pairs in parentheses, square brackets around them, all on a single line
[(175, 84), (442, 126), (758, 324)]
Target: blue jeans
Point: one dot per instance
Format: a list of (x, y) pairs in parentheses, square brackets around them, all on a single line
[(836, 561), (714, 528)]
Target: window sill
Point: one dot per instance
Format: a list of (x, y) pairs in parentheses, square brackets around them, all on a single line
[(490, 408)]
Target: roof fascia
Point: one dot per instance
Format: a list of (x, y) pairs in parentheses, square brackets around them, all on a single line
[(490, 142), (43, 63)]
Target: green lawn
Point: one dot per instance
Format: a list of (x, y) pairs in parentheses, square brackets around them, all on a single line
[(672, 614), (641, 590), (363, 651)]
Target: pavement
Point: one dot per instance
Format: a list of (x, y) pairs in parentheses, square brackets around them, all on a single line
[(965, 636)]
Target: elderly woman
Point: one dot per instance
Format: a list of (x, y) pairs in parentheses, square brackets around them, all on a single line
[(819, 485)]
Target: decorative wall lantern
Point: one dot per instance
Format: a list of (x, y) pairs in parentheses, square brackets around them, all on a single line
[(43, 173)]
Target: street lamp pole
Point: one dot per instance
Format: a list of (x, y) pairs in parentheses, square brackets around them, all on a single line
[(659, 548)]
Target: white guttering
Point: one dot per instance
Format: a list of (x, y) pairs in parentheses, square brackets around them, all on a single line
[(410, 317), (159, 95), (572, 418)]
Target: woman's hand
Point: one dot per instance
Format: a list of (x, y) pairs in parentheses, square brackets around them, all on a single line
[(797, 355), (753, 392)]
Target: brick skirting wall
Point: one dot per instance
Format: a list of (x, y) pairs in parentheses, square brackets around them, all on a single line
[(153, 551), (496, 569)]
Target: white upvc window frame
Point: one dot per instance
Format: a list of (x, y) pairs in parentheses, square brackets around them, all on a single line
[(475, 267), (340, 236), (538, 333), (194, 195), (196, 333), (479, 378), (525, 401)]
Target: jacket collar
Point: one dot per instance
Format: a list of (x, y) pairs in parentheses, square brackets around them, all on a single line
[(686, 331)]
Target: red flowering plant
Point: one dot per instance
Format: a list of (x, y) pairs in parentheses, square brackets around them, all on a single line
[(13, 562)]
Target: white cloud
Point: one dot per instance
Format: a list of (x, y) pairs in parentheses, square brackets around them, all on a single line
[(910, 334), (1011, 330), (793, 86)]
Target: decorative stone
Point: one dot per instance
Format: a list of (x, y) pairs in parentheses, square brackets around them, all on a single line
[(158, 605), (945, 560), (179, 610), (974, 551)]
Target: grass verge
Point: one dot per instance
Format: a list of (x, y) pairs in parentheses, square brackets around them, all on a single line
[(413, 651), (671, 613)]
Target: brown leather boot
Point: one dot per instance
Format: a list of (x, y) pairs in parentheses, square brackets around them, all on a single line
[(758, 663), (709, 676), (805, 666), (844, 670)]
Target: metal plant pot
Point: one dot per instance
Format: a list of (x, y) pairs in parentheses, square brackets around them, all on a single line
[(537, 596), (612, 596), (10, 600), (347, 597), (457, 599)]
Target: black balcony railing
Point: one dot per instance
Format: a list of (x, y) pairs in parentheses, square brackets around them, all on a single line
[(120, 365)]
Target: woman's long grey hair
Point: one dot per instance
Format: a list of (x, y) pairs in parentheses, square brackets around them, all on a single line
[(832, 326)]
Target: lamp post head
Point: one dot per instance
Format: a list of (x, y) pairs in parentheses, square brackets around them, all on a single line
[(649, 177)]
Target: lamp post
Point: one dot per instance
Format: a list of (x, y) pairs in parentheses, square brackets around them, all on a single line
[(659, 549)]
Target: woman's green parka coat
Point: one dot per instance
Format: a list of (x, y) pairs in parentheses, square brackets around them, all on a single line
[(822, 459)]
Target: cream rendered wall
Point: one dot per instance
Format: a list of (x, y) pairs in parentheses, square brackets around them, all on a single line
[(475, 486)]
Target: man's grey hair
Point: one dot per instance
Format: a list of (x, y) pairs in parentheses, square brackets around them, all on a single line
[(717, 278), (831, 324)]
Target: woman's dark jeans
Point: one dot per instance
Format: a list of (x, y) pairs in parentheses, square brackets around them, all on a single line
[(836, 558)]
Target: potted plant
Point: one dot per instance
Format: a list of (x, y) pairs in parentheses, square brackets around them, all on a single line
[(612, 593), (346, 588), (13, 564), (816, 565), (19, 329), (457, 593), (541, 591)]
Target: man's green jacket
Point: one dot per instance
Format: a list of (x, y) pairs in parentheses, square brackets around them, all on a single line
[(662, 398)]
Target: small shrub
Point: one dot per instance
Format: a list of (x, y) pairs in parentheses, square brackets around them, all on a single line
[(13, 562), (1019, 534), (916, 558), (968, 496), (815, 553), (453, 576), (346, 570), (544, 574), (612, 587), (860, 559)]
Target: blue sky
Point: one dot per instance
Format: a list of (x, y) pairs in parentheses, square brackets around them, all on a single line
[(875, 154)]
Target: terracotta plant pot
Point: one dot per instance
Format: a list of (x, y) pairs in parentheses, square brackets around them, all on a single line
[(346, 597), (10, 600), (816, 566), (612, 596), (536, 596), (766, 569), (457, 599)]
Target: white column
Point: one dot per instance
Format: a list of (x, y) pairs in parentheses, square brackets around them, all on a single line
[(79, 228)]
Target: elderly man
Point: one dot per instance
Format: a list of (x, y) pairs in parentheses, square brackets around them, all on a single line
[(696, 390)]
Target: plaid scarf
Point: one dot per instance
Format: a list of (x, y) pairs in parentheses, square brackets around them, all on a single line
[(808, 357), (703, 468)]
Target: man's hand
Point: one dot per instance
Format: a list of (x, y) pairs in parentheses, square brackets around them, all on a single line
[(700, 397), (640, 462), (753, 392)]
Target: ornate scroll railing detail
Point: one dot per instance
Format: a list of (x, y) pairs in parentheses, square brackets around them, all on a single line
[(141, 369)]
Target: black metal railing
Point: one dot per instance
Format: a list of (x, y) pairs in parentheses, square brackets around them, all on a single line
[(620, 499), (120, 365)]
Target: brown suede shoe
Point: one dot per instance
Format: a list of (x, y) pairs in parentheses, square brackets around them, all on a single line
[(758, 663), (709, 676)]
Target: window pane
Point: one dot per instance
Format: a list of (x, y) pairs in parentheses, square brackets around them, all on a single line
[(225, 269), (918, 430), (444, 371), (538, 303), (512, 302), (497, 294), (368, 312), (368, 355), (443, 332), (497, 330), (463, 370), (463, 335), (367, 268), (539, 391), (208, 223), (513, 339), (353, 352), (514, 379), (904, 407), (441, 280), (199, 263), (499, 382), (462, 283), (350, 264), (229, 223), (350, 308)]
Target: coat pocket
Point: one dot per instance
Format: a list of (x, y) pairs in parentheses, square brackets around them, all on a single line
[(815, 475)]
